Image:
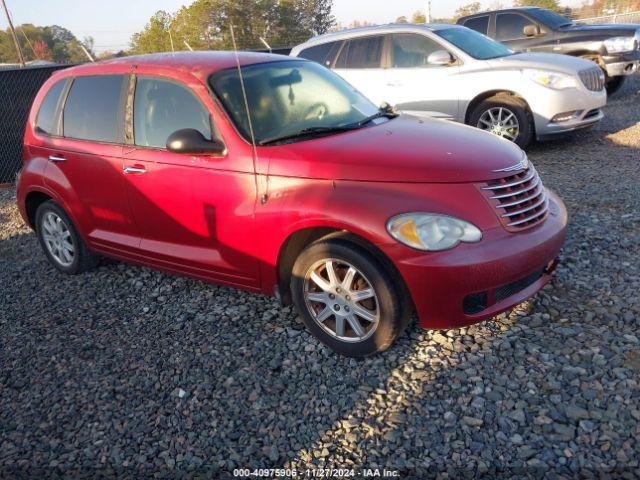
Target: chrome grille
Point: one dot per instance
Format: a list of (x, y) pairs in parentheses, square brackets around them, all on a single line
[(521, 199), (593, 79)]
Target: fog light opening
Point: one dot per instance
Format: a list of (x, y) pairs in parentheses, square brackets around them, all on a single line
[(566, 116)]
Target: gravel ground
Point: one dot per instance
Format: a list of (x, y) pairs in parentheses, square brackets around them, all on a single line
[(128, 371)]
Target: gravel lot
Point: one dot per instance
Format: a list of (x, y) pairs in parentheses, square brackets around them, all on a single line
[(128, 371)]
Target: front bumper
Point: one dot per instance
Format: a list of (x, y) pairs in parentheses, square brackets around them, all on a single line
[(546, 104), (441, 284), (622, 64)]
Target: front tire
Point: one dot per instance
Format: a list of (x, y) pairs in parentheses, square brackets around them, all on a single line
[(347, 299), (614, 84), (60, 240), (505, 116)]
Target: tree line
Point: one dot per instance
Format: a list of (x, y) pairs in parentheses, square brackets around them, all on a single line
[(204, 25), (51, 43)]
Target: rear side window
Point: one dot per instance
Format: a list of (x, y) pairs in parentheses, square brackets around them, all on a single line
[(46, 118), (93, 110), (163, 107), (412, 51), (479, 24), (510, 26), (361, 53), (322, 54)]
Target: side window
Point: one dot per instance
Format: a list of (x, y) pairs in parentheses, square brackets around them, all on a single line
[(322, 54), (45, 120), (93, 110), (361, 53), (162, 107), (510, 26), (412, 51), (479, 24)]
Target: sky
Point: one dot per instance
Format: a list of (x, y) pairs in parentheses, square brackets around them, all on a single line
[(112, 22)]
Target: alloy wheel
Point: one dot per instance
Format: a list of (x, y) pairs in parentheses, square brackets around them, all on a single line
[(57, 238), (501, 122), (341, 300)]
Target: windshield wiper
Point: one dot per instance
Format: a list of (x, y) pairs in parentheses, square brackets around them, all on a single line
[(307, 132), (385, 111)]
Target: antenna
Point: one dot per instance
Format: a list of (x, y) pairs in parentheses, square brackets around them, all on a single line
[(171, 41), (86, 52), (187, 45), (264, 197), (264, 42)]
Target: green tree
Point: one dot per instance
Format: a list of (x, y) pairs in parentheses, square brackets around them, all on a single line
[(155, 36), (468, 9), (418, 17), (553, 5)]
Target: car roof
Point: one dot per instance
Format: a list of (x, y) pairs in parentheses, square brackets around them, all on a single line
[(388, 28), (501, 10), (200, 63)]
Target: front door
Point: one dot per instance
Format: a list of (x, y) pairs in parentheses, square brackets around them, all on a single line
[(416, 86), (193, 211)]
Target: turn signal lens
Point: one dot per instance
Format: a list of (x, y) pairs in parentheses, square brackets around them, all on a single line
[(432, 232)]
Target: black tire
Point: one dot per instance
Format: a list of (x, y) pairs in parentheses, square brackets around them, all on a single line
[(514, 105), (82, 259), (614, 84), (393, 303)]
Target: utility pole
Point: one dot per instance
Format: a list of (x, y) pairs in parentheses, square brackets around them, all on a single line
[(13, 34), (428, 15)]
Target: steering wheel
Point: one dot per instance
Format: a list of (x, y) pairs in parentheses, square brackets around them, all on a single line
[(317, 111)]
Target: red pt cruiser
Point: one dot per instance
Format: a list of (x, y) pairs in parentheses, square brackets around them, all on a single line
[(357, 215)]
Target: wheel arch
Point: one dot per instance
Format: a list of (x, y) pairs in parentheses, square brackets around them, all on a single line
[(297, 241), (478, 99), (32, 202)]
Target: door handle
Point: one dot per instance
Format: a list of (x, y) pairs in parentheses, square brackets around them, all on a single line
[(136, 169), (55, 158)]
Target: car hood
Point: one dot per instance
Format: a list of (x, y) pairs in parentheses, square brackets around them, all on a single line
[(609, 30), (548, 61), (405, 149)]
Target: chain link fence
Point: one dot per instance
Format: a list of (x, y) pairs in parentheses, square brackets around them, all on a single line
[(18, 88)]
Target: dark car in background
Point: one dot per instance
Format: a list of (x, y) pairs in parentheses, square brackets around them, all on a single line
[(614, 47)]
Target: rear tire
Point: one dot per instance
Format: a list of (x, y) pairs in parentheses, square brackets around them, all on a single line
[(329, 305), (60, 240), (506, 116)]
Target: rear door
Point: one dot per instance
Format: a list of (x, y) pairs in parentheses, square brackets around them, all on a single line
[(85, 164), (192, 210), (416, 86), (360, 62)]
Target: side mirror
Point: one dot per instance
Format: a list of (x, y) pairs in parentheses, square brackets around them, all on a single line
[(441, 58), (191, 141), (531, 31)]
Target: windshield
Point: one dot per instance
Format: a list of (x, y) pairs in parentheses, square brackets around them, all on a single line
[(289, 97), (473, 43), (549, 18)]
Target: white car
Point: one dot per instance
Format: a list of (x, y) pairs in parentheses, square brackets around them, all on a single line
[(455, 73)]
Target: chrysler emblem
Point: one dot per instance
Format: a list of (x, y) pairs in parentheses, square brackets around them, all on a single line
[(523, 165)]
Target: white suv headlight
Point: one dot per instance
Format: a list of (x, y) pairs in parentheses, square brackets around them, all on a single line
[(432, 232), (550, 79), (620, 44)]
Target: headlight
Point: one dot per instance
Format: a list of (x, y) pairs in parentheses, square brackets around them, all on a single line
[(432, 232), (620, 44), (555, 80)]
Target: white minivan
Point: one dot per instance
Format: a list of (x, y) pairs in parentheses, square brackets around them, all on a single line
[(452, 72)]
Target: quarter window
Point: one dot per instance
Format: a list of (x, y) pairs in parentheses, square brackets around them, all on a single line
[(510, 26), (361, 53), (161, 108), (46, 118), (93, 110), (412, 51), (479, 24)]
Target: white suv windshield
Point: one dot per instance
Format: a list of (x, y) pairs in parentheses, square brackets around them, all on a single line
[(473, 43), (289, 97)]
